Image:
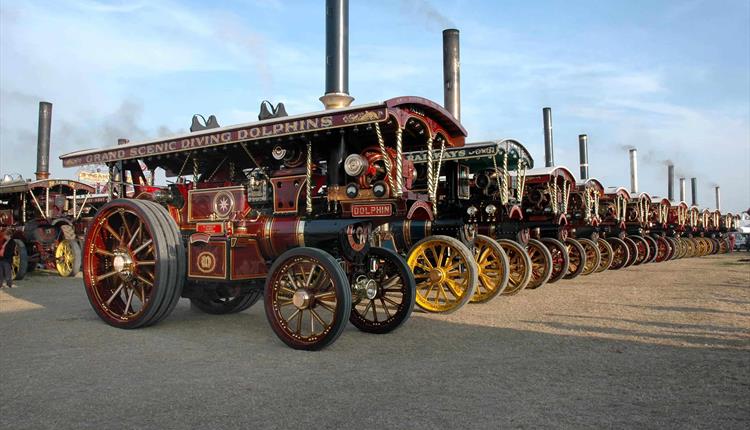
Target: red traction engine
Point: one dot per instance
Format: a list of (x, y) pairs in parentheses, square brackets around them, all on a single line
[(44, 216), (642, 247), (584, 223), (283, 207), (612, 211), (658, 229), (545, 204)]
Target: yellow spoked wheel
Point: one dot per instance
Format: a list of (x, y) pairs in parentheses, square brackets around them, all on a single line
[(68, 258), (20, 261), (445, 272), (593, 256), (519, 266), (492, 263), (607, 254), (703, 246), (689, 247)]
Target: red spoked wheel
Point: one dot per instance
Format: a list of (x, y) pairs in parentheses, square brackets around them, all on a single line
[(632, 250), (134, 263), (673, 247), (642, 247), (541, 263), (663, 249), (577, 256), (307, 298), (620, 253), (560, 258), (652, 249)]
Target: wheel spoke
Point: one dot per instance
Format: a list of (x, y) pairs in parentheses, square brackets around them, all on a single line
[(117, 291), (130, 299), (105, 276), (135, 233), (112, 232), (143, 246)]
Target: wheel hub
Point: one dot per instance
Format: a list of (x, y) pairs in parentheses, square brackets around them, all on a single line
[(365, 287), (302, 298), (123, 264), (437, 275)]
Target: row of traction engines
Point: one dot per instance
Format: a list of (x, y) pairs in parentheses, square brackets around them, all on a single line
[(355, 214)]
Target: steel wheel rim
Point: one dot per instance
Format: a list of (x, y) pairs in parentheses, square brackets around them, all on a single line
[(122, 266), (490, 270), (441, 275), (303, 298), (591, 263), (537, 262), (558, 261), (64, 258), (607, 256), (574, 257), (518, 269)]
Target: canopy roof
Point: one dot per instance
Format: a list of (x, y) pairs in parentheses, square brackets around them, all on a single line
[(542, 174), (617, 191), (479, 155), (310, 125), (591, 183), (64, 185)]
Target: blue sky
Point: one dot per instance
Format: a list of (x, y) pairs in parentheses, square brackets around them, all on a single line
[(668, 77)]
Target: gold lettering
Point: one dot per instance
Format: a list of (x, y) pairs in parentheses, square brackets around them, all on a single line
[(326, 121), (312, 123), (290, 127)]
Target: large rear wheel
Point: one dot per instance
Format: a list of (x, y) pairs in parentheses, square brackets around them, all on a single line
[(133, 265), (307, 298), (607, 253), (445, 272), (593, 256), (642, 247), (492, 263), (560, 258), (519, 265), (577, 257), (541, 263), (652, 248), (383, 298)]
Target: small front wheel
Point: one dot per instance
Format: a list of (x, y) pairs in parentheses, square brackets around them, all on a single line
[(576, 256), (560, 258), (593, 256), (541, 263), (307, 298), (607, 253), (492, 263), (519, 266), (68, 257), (383, 298)]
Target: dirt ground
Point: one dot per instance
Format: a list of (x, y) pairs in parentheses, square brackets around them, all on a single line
[(656, 346)]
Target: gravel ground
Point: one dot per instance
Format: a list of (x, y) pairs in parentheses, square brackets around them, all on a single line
[(661, 345)]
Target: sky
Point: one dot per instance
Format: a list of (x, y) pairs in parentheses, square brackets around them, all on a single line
[(671, 78)]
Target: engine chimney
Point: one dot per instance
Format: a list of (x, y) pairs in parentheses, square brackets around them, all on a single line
[(42, 140), (670, 182), (683, 194), (694, 186), (337, 55), (452, 72), (549, 156), (583, 155), (633, 170), (718, 198)]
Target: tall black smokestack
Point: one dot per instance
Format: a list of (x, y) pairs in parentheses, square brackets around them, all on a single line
[(694, 186), (583, 155), (42, 140), (337, 55), (683, 193), (670, 182), (549, 156), (452, 72)]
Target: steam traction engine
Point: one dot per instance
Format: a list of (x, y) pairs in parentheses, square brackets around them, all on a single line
[(612, 207), (583, 225), (545, 205), (252, 210), (43, 217), (475, 211)]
